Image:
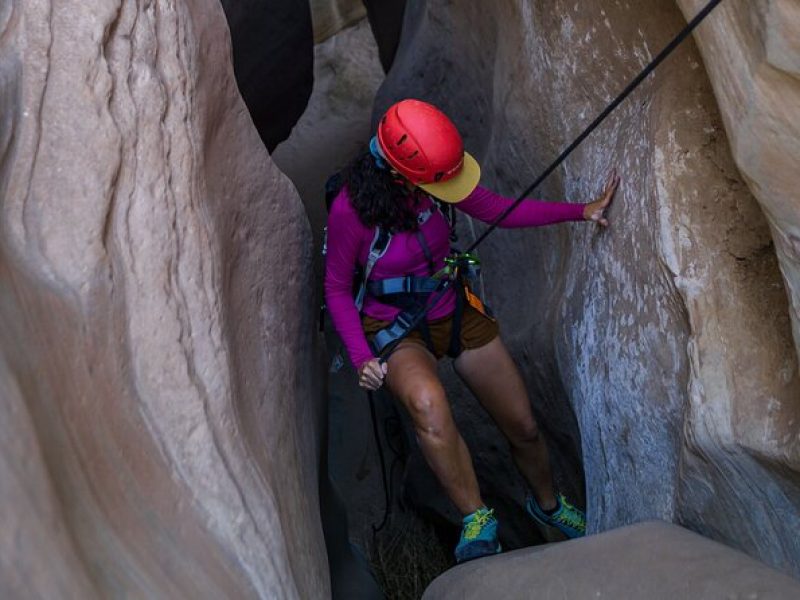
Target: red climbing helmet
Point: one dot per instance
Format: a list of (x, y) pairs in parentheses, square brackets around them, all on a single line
[(423, 145)]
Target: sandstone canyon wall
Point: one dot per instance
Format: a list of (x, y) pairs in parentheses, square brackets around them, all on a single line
[(742, 456), (660, 351), (158, 427), (157, 430)]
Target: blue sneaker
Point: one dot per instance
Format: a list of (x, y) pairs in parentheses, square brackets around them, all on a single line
[(478, 536), (568, 519)]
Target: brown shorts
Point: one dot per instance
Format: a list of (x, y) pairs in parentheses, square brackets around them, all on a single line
[(476, 330)]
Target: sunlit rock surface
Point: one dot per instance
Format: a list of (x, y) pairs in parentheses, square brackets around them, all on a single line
[(668, 336), (742, 457), (157, 430)]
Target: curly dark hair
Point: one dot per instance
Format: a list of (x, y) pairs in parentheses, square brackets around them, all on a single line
[(379, 196)]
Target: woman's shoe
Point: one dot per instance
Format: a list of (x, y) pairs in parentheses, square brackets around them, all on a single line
[(478, 536), (568, 519)]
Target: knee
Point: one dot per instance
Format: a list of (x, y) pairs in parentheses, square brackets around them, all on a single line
[(525, 434), (428, 408)]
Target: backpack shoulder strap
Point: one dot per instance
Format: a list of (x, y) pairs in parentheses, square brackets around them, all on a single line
[(378, 247), (448, 211)]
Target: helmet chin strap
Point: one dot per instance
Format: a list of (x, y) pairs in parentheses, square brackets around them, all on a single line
[(409, 186)]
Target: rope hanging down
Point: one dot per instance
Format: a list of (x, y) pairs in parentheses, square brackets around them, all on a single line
[(669, 49), (384, 476)]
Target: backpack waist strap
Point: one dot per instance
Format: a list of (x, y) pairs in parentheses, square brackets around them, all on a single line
[(410, 284)]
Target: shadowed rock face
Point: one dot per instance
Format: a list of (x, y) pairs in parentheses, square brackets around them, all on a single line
[(273, 51), (386, 20), (157, 434), (667, 337), (333, 128), (273, 60)]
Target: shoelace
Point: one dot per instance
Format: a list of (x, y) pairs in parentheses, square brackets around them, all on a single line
[(569, 515), (481, 518)]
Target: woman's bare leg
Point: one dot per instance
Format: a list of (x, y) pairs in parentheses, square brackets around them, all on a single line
[(413, 380), (491, 374)]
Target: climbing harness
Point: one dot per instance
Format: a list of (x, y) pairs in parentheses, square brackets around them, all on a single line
[(418, 295), (411, 294)]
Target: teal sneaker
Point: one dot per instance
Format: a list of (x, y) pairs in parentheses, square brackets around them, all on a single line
[(478, 536), (567, 519)]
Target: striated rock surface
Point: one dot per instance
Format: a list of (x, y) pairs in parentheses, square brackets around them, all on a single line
[(157, 430), (741, 463), (658, 352), (649, 560)]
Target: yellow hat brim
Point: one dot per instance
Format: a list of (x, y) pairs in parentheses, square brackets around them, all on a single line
[(459, 187)]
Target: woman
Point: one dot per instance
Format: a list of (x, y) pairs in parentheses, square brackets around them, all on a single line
[(417, 156)]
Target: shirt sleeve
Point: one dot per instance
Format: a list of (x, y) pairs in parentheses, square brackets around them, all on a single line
[(344, 239), (487, 206)]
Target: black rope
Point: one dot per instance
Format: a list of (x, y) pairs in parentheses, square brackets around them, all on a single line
[(376, 433), (685, 32)]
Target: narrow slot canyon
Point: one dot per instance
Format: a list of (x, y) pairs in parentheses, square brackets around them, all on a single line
[(175, 421)]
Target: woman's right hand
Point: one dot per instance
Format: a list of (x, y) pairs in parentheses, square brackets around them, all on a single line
[(371, 374), (595, 211)]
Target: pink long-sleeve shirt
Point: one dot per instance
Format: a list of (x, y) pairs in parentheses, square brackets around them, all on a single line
[(349, 241)]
